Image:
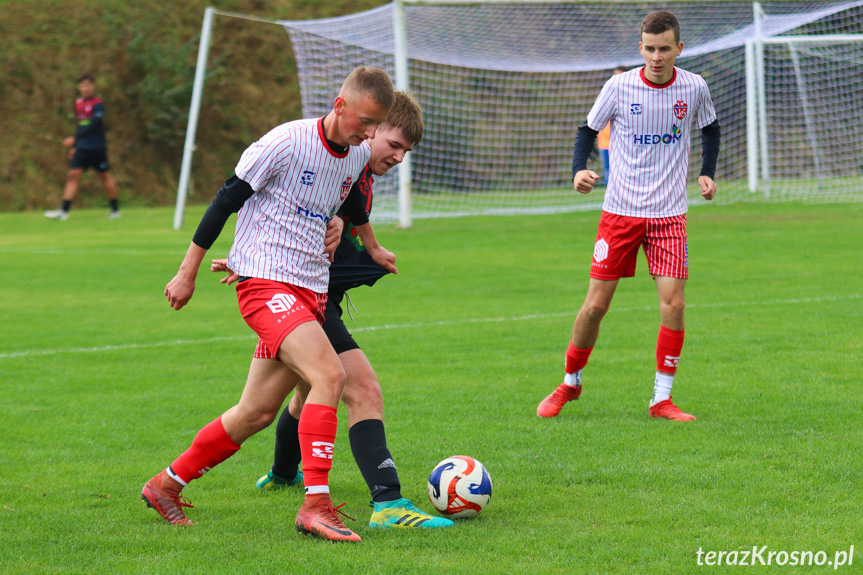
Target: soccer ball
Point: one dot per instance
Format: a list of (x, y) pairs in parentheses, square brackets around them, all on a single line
[(459, 487)]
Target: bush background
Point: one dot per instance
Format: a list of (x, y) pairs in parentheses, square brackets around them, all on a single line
[(142, 54)]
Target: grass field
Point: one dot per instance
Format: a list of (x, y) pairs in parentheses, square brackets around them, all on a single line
[(102, 384)]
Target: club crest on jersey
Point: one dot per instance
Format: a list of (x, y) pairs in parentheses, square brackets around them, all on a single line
[(636, 109), (307, 178), (346, 188), (680, 109)]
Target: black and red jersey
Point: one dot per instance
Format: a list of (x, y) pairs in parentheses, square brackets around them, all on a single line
[(352, 265), (89, 113)]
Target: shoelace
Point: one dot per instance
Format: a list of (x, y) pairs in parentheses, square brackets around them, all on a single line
[(338, 510), (349, 306)]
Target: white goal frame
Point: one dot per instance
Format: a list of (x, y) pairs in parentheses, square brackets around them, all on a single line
[(757, 144), (758, 153)]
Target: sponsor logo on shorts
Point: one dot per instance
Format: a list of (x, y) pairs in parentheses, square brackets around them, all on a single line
[(686, 255), (322, 449), (281, 302), (600, 250)]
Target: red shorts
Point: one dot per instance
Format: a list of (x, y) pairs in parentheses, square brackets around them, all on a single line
[(619, 237), (274, 309)]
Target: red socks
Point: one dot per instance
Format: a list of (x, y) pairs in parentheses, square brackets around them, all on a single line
[(317, 430), (668, 347), (210, 447), (576, 358)]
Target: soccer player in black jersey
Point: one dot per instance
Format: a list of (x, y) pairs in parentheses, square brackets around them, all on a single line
[(352, 267), (88, 149)]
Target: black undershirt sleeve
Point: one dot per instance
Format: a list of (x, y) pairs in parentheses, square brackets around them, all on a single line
[(229, 199), (354, 206), (710, 137), (583, 147)]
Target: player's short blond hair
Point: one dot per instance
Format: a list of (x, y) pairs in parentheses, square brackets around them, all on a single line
[(371, 82), (660, 22), (407, 116)]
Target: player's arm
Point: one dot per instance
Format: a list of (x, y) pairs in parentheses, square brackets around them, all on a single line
[(333, 237), (355, 209), (710, 139), (222, 266), (582, 178), (379, 254), (229, 199)]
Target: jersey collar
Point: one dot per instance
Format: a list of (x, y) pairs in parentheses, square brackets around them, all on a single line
[(327, 144), (658, 86)]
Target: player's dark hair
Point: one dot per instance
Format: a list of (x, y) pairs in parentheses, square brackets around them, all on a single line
[(86, 77), (659, 22), (372, 82), (407, 116)]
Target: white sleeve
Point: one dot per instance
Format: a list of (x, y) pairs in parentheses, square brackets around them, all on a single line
[(605, 107), (705, 114), (263, 159)]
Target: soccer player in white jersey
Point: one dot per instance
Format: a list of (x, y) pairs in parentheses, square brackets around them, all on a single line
[(286, 187), (352, 267), (652, 110)]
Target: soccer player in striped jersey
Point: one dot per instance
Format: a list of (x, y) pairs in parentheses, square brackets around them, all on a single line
[(286, 187), (363, 398), (652, 110)]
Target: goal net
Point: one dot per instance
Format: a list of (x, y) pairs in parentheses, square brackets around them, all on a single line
[(504, 87)]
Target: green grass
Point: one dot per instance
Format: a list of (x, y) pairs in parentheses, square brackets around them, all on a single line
[(98, 394)]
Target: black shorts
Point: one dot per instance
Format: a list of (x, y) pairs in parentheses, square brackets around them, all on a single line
[(338, 334), (96, 159)]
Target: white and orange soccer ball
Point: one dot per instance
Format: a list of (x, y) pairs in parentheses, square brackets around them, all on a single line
[(459, 487)]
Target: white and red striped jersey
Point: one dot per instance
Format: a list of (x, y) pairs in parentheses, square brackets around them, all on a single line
[(651, 128), (299, 183)]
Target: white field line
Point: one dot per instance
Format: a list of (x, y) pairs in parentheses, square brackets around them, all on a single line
[(463, 321)]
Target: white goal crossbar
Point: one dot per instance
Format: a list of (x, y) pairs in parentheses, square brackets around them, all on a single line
[(505, 83)]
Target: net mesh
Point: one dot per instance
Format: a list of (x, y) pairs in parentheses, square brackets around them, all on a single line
[(504, 88)]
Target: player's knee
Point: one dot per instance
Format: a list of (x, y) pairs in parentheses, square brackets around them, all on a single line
[(595, 309), (331, 378), (253, 421), (672, 306), (362, 390)]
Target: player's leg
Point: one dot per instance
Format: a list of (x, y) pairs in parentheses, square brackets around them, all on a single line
[(70, 192), (265, 390), (308, 352), (614, 257), (365, 405), (285, 471), (666, 251), (103, 170)]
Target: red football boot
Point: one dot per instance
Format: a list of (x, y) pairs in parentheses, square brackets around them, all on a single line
[(551, 405)]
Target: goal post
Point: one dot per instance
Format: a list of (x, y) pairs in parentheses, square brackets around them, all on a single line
[(810, 91), (504, 85)]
